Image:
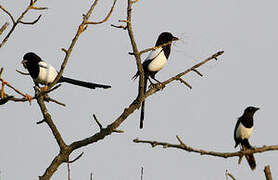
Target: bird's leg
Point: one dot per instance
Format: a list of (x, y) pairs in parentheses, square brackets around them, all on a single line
[(151, 83), (160, 83)]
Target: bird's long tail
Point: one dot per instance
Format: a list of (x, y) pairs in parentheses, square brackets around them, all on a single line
[(143, 103), (83, 84), (249, 157)]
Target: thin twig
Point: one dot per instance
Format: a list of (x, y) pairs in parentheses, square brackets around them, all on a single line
[(97, 121), (142, 172), (75, 159), (3, 28), (185, 83), (106, 18), (198, 72), (8, 13), (22, 73), (227, 174), (120, 26), (32, 22), (68, 166), (187, 148)]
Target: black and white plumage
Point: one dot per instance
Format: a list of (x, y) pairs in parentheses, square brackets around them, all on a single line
[(43, 73), (243, 131), (155, 61)]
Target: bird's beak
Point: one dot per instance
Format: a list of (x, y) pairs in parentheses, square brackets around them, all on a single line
[(175, 38), (24, 63), (256, 108)]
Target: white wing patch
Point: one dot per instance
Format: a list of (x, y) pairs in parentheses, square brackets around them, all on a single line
[(159, 60), (47, 73), (243, 132)]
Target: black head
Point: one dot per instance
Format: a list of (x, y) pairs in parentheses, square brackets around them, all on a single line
[(31, 63), (30, 58), (164, 38), (251, 110)]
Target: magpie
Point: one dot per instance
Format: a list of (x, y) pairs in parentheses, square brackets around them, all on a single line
[(43, 73), (243, 131), (154, 62)]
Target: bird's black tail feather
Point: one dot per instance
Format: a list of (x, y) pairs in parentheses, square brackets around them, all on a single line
[(143, 103), (83, 84), (249, 157)]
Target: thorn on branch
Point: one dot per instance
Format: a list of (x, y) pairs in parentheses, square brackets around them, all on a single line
[(198, 72), (180, 141), (39, 8), (185, 83), (78, 157), (227, 174), (40, 122), (120, 26), (55, 101), (125, 21), (98, 123), (33, 22), (117, 131), (64, 50), (217, 54)]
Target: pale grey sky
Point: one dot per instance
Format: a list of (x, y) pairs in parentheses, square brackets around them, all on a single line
[(203, 117)]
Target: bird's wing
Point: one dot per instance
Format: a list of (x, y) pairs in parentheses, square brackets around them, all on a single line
[(47, 73), (43, 64), (154, 53), (235, 130)]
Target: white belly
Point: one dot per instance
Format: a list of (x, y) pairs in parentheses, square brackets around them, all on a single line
[(47, 73), (243, 132), (158, 63)]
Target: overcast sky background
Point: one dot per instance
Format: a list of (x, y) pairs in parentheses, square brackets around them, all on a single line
[(203, 117)]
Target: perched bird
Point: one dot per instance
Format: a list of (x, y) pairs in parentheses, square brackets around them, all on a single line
[(243, 131), (43, 73), (155, 61)]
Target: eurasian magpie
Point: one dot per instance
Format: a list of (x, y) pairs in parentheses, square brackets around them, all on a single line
[(154, 62), (43, 73), (243, 131)]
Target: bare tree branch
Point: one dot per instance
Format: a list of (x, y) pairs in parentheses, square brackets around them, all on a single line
[(187, 148), (19, 20), (106, 18), (65, 150), (267, 173)]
